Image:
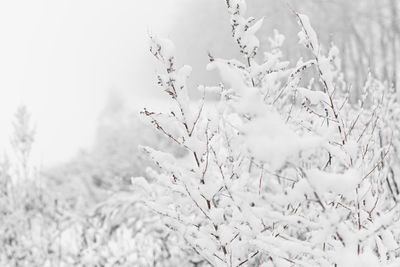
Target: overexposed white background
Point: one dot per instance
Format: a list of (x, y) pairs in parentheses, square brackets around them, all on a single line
[(62, 58)]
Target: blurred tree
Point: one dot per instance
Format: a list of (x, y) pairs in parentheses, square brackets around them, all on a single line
[(22, 140), (113, 158)]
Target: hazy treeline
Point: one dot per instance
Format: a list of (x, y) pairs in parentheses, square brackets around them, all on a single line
[(366, 33)]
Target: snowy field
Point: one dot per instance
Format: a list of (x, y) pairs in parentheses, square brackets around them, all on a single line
[(219, 133)]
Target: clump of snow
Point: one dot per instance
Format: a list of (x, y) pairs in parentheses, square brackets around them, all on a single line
[(314, 97), (308, 35), (343, 184), (271, 140), (229, 74)]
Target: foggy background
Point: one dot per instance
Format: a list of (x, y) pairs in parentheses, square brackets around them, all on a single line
[(65, 60), (62, 59)]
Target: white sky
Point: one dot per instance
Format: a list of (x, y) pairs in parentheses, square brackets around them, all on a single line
[(61, 58)]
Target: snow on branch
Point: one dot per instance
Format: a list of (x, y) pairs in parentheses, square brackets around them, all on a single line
[(278, 171)]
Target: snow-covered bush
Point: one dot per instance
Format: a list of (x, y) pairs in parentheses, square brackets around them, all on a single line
[(29, 215), (43, 223), (281, 170)]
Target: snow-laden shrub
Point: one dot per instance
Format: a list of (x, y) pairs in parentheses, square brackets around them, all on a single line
[(279, 171), (29, 216), (41, 225)]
